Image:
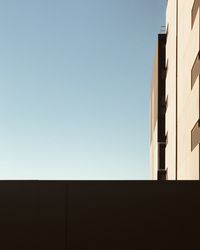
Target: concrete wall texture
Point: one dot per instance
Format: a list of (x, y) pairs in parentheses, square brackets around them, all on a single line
[(182, 126)]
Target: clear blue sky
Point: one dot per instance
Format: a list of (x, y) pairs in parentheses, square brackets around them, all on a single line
[(74, 87)]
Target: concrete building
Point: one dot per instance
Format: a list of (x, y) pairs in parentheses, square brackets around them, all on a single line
[(180, 157), (158, 108)]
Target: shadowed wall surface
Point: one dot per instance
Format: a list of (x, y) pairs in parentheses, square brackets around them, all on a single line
[(98, 215)]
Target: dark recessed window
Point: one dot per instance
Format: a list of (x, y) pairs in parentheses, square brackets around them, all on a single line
[(194, 11), (166, 138), (167, 32), (195, 135), (166, 102), (195, 70), (166, 67)]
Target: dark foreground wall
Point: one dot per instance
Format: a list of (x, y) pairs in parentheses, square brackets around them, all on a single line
[(94, 215)]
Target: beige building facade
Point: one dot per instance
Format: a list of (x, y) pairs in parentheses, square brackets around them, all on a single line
[(182, 95)]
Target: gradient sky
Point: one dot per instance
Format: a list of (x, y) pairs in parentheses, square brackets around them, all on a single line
[(74, 88)]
